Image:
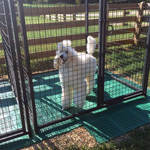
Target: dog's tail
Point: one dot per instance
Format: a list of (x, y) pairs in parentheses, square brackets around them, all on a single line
[(91, 45)]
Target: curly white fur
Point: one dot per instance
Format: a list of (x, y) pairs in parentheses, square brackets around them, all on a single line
[(76, 72)]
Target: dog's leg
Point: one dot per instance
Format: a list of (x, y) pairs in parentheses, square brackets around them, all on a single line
[(90, 82), (67, 96), (80, 94)]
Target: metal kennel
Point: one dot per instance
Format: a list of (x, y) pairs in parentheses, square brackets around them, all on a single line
[(14, 107), (30, 34)]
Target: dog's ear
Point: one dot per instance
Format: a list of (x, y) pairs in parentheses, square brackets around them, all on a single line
[(56, 62), (57, 53), (59, 46), (66, 43)]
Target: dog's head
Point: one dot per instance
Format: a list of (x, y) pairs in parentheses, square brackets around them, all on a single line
[(64, 50)]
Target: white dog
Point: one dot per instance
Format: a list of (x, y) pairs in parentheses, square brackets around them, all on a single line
[(76, 72)]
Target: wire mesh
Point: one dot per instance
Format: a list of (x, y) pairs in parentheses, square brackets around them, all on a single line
[(10, 120), (9, 109), (13, 96), (47, 25), (125, 52)]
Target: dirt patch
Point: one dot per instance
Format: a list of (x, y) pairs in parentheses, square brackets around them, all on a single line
[(79, 137)]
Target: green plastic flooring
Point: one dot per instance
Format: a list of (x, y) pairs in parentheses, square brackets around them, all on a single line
[(47, 91), (103, 124)]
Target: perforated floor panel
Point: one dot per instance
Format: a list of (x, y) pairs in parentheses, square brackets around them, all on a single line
[(103, 124)]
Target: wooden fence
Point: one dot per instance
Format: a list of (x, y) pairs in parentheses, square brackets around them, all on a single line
[(134, 14)]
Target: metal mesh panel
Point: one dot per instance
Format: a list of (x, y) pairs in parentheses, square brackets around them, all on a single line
[(47, 25), (52, 94), (13, 94), (125, 51), (9, 108)]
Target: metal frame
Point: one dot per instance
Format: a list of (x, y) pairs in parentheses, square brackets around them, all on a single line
[(87, 18), (101, 69), (29, 107), (28, 74), (101, 48), (147, 64), (14, 67), (20, 65)]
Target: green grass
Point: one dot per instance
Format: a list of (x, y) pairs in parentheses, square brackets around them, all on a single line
[(128, 63), (139, 139), (124, 62)]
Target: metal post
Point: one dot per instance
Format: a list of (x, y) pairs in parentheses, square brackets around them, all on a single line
[(12, 49), (87, 18), (100, 89), (104, 33), (3, 29), (20, 66), (27, 60), (146, 64), (1, 13), (101, 48)]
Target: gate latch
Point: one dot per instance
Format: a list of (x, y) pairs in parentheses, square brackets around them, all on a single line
[(110, 31)]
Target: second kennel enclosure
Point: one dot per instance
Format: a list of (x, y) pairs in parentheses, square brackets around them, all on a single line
[(122, 63)]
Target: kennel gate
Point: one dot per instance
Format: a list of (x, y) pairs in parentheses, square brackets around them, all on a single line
[(40, 106), (17, 72)]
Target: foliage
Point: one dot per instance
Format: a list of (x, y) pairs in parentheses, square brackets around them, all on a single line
[(80, 1), (28, 1)]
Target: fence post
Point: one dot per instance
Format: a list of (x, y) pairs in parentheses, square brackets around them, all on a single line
[(64, 17), (56, 17), (125, 13), (74, 16), (138, 23), (146, 64), (31, 103), (87, 19), (101, 49)]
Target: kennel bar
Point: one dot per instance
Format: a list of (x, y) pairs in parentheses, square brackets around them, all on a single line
[(147, 63), (127, 79), (101, 71), (123, 82), (123, 98), (13, 80), (12, 135), (35, 105), (31, 102), (68, 117), (39, 126), (10, 45), (105, 104), (20, 65), (101, 48), (3, 27), (87, 18)]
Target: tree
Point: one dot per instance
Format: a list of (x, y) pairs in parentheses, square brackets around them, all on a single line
[(28, 1)]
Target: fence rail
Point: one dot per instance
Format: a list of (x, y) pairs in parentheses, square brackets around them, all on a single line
[(128, 14)]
